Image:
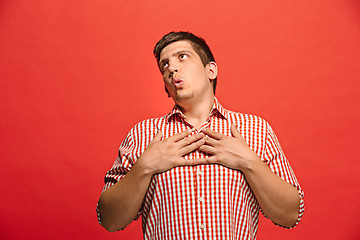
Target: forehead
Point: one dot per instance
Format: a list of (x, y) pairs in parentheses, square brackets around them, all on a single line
[(173, 48)]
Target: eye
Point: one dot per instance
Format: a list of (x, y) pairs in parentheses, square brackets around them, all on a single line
[(183, 56), (164, 65)]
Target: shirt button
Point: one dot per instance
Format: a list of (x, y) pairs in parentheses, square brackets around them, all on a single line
[(200, 173), (202, 226), (201, 199)]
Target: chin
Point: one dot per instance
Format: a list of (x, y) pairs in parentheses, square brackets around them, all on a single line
[(183, 96)]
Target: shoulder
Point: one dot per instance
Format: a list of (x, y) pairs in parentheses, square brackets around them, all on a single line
[(148, 126), (246, 119), (141, 134)]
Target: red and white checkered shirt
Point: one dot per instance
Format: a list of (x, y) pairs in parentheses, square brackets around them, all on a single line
[(204, 201)]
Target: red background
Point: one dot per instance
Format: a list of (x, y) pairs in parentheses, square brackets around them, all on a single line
[(77, 75)]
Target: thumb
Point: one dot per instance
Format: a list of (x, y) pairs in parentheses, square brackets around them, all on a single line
[(158, 136), (234, 131)]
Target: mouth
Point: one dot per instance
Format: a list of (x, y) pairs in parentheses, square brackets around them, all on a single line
[(177, 82)]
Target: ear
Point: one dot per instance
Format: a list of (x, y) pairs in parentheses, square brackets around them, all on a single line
[(212, 70)]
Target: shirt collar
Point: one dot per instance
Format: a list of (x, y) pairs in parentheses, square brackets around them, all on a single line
[(220, 109), (217, 108)]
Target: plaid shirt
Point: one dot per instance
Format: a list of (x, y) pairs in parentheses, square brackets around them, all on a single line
[(204, 201)]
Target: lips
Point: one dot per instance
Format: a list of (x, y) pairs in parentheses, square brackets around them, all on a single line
[(177, 82)]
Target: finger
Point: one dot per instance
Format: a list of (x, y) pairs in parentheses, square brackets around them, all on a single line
[(158, 136), (207, 149), (212, 133), (191, 147), (210, 141), (177, 137), (209, 160), (234, 131), (187, 162), (193, 162), (186, 141)]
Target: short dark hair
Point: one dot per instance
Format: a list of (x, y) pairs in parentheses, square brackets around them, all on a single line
[(199, 45)]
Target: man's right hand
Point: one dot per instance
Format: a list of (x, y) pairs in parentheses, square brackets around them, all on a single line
[(162, 155), (119, 204)]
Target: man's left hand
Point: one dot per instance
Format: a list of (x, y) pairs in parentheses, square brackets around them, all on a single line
[(232, 152)]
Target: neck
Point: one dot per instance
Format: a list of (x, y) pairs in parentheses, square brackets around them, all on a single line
[(197, 111)]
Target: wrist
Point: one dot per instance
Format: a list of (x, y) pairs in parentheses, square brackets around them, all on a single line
[(143, 169), (252, 163)]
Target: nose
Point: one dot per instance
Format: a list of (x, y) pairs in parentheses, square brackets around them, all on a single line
[(172, 67)]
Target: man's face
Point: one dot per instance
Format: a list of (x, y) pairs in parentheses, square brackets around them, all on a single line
[(184, 74)]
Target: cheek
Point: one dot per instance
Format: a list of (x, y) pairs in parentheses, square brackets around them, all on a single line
[(196, 71), (201, 75), (165, 79)]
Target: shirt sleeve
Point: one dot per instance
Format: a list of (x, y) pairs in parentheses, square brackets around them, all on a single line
[(122, 165), (276, 160)]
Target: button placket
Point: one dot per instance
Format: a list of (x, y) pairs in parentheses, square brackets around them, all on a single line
[(201, 199)]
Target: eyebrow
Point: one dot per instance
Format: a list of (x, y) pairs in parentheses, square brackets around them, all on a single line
[(174, 54)]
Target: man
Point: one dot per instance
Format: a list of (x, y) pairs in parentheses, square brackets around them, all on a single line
[(200, 172)]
